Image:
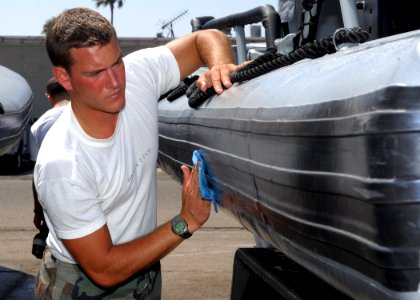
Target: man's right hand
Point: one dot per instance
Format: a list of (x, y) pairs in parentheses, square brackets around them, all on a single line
[(195, 210)]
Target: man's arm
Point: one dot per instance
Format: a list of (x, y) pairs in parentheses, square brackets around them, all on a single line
[(107, 264), (38, 212), (209, 48)]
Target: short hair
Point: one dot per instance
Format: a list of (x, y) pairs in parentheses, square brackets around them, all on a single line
[(54, 88), (76, 28)]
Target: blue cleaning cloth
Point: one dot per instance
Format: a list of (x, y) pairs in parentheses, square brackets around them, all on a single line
[(207, 190)]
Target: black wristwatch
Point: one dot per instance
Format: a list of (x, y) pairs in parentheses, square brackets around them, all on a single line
[(180, 227)]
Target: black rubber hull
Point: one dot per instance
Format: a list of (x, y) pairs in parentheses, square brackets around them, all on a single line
[(333, 185)]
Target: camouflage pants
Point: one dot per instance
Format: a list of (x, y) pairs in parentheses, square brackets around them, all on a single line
[(60, 280)]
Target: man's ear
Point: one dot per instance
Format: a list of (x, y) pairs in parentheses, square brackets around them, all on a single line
[(62, 77), (50, 99)]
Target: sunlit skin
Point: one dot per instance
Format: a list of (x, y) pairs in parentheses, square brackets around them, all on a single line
[(96, 83)]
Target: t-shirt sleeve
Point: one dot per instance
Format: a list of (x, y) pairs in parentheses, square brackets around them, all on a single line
[(152, 68), (33, 147)]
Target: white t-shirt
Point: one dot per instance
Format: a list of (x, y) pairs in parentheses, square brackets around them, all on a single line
[(84, 183), (40, 128)]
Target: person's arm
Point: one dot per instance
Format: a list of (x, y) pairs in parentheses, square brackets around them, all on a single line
[(107, 264), (38, 212), (209, 48)]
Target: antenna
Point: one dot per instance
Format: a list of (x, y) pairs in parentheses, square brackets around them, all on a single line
[(168, 25)]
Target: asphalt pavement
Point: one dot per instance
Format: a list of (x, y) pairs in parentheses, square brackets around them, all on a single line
[(200, 268)]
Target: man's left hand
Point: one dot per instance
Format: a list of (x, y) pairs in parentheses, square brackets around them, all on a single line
[(218, 77)]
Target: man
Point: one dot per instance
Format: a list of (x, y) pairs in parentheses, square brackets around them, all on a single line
[(96, 169), (58, 98)]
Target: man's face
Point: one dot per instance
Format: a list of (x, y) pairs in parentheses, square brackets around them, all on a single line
[(97, 78)]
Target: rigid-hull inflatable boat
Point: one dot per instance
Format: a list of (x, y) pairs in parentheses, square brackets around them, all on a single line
[(321, 160)]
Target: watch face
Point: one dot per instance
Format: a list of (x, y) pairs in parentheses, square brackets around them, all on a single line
[(179, 227)]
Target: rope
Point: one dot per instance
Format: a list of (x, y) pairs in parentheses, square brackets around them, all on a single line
[(181, 88), (268, 62), (311, 50), (272, 61)]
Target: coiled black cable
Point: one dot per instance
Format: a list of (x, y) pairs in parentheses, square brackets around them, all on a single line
[(272, 61), (311, 50), (181, 88)]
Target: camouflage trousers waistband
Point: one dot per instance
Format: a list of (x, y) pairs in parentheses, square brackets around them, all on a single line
[(60, 280)]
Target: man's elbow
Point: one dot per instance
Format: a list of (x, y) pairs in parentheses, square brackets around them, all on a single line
[(104, 280)]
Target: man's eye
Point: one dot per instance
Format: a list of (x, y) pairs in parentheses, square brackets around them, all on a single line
[(94, 74)]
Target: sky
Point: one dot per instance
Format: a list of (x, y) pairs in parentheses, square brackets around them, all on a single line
[(137, 18)]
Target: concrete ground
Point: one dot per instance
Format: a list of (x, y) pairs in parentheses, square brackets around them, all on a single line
[(201, 268)]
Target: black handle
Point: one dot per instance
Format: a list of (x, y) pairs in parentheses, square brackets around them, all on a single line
[(266, 14)]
